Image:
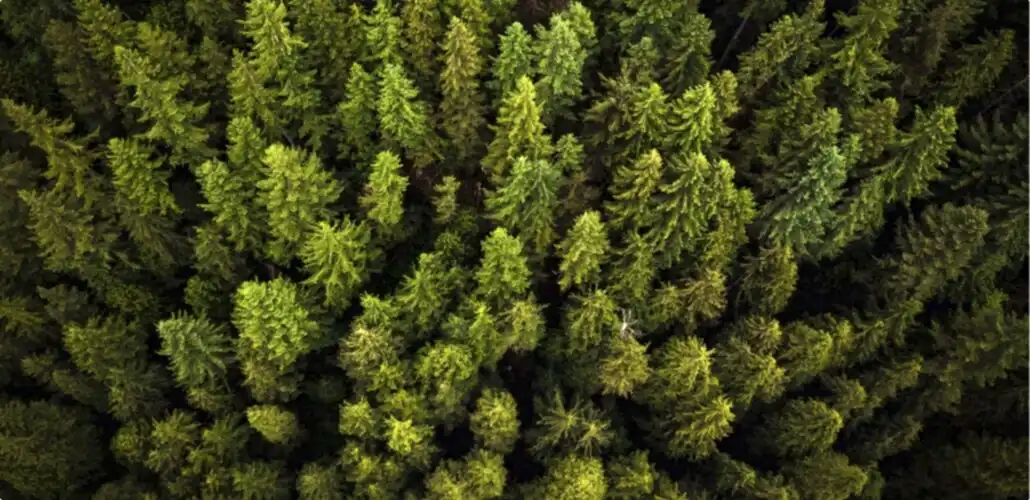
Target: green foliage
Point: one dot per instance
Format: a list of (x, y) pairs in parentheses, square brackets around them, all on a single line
[(200, 350), (518, 132), (275, 331), (63, 441), (383, 197), (802, 427), (462, 104), (274, 423), (503, 274), (495, 421), (295, 193), (525, 202), (338, 256), (315, 249)]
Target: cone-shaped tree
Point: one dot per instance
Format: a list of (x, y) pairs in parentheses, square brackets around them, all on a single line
[(64, 446), (583, 251), (274, 423), (518, 132), (275, 331), (462, 105), (495, 422), (356, 116), (403, 119), (802, 427), (503, 274), (514, 61), (560, 60), (295, 192), (337, 256)]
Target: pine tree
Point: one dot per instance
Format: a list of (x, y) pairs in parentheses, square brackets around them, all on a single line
[(575, 478), (423, 32), (275, 331), (688, 200), (403, 119), (515, 60), (525, 203), (782, 52), (519, 132), (802, 427), (382, 44), (859, 60), (583, 251), (356, 116), (560, 60), (631, 475), (495, 422), (64, 443), (768, 280), (317, 481), (174, 122), (632, 190), (274, 423), (383, 197), (746, 374), (338, 256), (922, 152), (295, 193), (624, 368), (230, 199), (933, 251), (976, 68), (316, 22), (199, 350), (462, 105), (68, 159), (838, 479), (799, 218)]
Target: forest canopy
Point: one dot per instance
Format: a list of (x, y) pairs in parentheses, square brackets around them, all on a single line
[(514, 249)]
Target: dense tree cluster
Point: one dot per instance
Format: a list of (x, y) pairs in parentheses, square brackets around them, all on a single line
[(521, 249)]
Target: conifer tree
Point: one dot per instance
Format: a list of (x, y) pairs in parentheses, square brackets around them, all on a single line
[(514, 60), (200, 353), (274, 423), (383, 35), (802, 427), (316, 23), (583, 251), (799, 218), (976, 68), (838, 478), (295, 193), (525, 202), (495, 421), (560, 59), (791, 39), (230, 199), (68, 159), (688, 200), (403, 119), (630, 476), (859, 60), (173, 122), (462, 105), (356, 115), (338, 256), (423, 33), (63, 441), (275, 331), (624, 368), (518, 132), (383, 197), (575, 477), (768, 280)]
